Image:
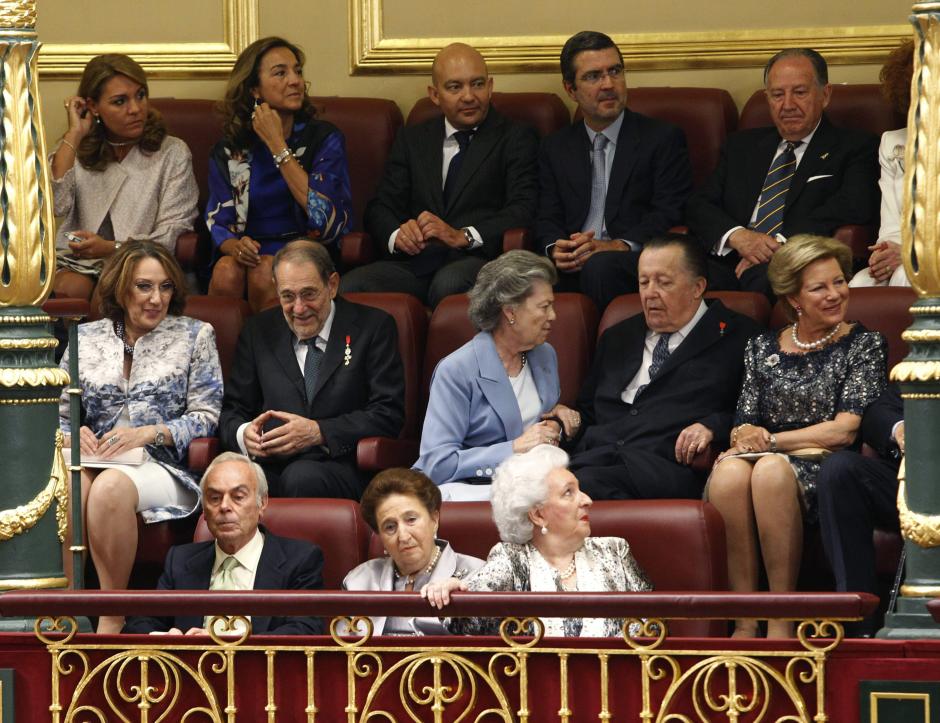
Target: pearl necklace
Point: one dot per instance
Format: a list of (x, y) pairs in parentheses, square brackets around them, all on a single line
[(427, 571), (568, 571), (819, 343), (119, 330), (115, 144)]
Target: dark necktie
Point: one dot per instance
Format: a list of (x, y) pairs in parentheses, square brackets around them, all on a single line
[(595, 217), (773, 195), (453, 170), (311, 366), (660, 355)]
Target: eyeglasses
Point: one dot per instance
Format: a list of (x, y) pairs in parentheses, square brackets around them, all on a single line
[(307, 296), (145, 288), (593, 77)]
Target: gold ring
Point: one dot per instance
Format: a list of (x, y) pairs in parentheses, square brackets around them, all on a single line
[(112, 441)]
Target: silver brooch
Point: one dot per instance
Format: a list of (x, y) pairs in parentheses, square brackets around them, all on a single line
[(773, 360), (899, 155)]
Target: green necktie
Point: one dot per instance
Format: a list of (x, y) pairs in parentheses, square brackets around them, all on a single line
[(224, 580)]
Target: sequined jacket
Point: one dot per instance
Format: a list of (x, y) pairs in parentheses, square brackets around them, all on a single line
[(603, 564)]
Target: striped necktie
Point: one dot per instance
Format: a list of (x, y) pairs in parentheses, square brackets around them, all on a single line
[(773, 195), (595, 217), (660, 355)]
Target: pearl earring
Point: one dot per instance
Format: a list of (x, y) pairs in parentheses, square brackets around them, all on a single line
[(512, 321), (544, 530), (799, 311)]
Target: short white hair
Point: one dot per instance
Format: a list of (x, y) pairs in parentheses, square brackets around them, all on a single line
[(519, 485), (236, 457)]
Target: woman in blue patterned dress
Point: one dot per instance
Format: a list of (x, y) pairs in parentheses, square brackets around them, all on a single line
[(804, 392), (150, 379), (277, 175)]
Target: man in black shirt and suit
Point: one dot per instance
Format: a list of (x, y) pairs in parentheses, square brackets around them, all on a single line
[(452, 186), (310, 379), (608, 183), (664, 384), (802, 176)]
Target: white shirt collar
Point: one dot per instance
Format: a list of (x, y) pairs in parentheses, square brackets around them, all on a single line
[(678, 336), (612, 132), (248, 556), (804, 140), (449, 129), (324, 335)]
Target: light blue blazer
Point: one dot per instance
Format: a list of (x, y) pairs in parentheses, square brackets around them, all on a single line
[(473, 416)]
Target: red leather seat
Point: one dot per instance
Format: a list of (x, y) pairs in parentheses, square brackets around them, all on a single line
[(411, 319), (543, 111), (705, 115), (198, 123), (572, 337), (879, 308), (861, 106), (748, 303), (334, 525), (679, 543), (227, 317)]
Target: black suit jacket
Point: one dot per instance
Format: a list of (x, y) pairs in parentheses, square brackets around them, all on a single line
[(363, 398), (496, 189), (879, 420), (699, 382), (843, 162), (650, 180), (285, 564)]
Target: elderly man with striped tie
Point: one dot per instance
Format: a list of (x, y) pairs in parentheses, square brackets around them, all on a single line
[(803, 175)]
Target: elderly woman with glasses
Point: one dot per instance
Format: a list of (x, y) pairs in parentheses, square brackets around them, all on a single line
[(498, 393), (151, 383), (544, 524)]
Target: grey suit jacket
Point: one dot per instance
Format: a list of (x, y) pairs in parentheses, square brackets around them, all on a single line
[(379, 574)]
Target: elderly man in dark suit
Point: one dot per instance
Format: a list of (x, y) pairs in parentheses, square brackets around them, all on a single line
[(242, 556), (607, 184), (802, 176), (452, 186), (664, 383), (311, 379), (858, 494)]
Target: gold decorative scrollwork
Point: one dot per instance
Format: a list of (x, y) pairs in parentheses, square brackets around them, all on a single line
[(48, 343), (351, 632), (920, 335), (18, 14), (19, 519), (808, 632), (36, 400), (634, 628), (229, 630), (921, 529), (34, 319), (916, 371), (924, 310), (62, 625), (44, 377), (510, 628)]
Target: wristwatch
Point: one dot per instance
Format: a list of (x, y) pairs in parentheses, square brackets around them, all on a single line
[(159, 439), (467, 235), (773, 442)]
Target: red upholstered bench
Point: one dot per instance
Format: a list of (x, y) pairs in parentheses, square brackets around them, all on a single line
[(680, 544)]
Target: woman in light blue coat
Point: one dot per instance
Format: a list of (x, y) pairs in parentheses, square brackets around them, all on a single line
[(498, 393)]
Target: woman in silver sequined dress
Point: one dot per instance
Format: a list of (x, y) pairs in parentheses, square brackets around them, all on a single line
[(804, 392)]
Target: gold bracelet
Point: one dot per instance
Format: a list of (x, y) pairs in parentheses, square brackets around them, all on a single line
[(67, 142)]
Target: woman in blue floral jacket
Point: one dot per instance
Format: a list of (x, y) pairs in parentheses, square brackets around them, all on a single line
[(151, 383)]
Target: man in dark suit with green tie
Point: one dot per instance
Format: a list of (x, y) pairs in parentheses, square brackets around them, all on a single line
[(452, 186)]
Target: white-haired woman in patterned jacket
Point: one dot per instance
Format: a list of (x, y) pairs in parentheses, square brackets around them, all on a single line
[(543, 521)]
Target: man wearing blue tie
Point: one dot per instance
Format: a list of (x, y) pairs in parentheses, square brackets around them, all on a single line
[(607, 183), (803, 175)]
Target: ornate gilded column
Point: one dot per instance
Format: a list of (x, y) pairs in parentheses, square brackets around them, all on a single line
[(919, 373), (32, 476)]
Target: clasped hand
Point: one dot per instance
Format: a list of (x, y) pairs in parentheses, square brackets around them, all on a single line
[(415, 234), (754, 248), (295, 434), (885, 258)]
